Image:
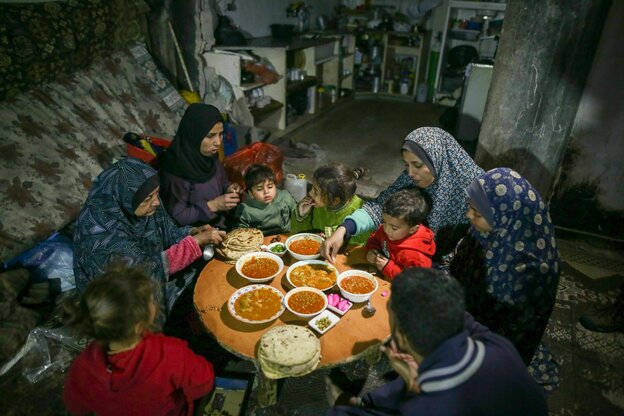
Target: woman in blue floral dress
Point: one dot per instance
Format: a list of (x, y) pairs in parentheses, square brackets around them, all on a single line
[(508, 263)]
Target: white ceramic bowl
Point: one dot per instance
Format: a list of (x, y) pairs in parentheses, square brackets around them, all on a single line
[(272, 247), (251, 288), (357, 297), (304, 262), (305, 289), (259, 254), (302, 236)]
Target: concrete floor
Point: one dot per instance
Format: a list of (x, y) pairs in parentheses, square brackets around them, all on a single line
[(364, 133)]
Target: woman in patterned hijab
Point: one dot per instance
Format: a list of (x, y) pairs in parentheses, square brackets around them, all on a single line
[(508, 262), (122, 220), (439, 166)]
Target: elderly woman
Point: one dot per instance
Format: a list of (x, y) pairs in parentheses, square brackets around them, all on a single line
[(436, 164), (508, 263), (194, 187), (122, 220)]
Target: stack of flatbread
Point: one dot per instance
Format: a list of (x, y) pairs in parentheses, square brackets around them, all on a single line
[(238, 242), (288, 351)]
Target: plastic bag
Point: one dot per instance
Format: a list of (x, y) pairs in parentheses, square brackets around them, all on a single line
[(261, 153), (46, 351), (50, 259)]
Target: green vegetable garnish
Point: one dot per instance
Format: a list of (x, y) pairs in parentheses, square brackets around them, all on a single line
[(278, 248)]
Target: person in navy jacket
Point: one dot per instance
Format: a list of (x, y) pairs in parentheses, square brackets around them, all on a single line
[(447, 363)]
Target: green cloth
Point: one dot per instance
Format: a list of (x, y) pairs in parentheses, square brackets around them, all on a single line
[(323, 218), (273, 218)]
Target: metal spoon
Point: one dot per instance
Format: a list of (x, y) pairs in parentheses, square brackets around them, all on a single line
[(369, 309), (209, 252)]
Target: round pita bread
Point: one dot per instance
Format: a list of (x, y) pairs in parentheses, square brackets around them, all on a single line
[(238, 242), (288, 351)]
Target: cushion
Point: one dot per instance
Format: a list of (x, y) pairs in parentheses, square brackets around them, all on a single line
[(58, 137)]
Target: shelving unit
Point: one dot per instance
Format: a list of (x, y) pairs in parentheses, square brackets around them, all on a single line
[(459, 10), (325, 61), (400, 58)]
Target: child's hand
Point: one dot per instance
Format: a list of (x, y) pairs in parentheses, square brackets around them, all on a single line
[(305, 206), (371, 256), (381, 261), (235, 188)]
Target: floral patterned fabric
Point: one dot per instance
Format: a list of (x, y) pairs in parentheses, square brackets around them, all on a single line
[(511, 273), (55, 139), (42, 41)]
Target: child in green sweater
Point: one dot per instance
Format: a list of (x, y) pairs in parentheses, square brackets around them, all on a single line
[(265, 207), (330, 200)]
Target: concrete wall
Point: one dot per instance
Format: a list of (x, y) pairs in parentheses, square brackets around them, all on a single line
[(591, 183)]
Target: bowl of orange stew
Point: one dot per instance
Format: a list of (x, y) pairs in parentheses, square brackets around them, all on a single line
[(256, 304), (318, 274), (357, 285), (304, 246), (305, 302), (259, 267)]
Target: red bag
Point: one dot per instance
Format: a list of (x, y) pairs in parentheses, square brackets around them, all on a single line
[(262, 153)]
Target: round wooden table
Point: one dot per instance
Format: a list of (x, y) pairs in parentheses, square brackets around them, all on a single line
[(356, 335)]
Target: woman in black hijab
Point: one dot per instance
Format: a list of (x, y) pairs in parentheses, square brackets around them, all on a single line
[(194, 187)]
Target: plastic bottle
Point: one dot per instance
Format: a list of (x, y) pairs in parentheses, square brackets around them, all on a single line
[(297, 185), (434, 57)]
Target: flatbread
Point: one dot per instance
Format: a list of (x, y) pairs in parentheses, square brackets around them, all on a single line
[(288, 351), (239, 242)]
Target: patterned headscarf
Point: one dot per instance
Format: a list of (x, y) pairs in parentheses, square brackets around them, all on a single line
[(454, 170), (522, 239), (511, 273), (107, 228), (183, 157)]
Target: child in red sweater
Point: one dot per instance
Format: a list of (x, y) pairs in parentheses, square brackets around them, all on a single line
[(128, 370), (402, 241)]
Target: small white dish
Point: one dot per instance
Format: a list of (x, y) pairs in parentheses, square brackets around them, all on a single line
[(335, 309), (314, 323), (274, 247)]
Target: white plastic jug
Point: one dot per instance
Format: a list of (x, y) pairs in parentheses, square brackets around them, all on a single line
[(297, 185)]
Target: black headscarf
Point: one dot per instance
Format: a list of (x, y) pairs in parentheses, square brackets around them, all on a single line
[(183, 157)]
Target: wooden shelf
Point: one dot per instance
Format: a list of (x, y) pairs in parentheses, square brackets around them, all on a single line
[(296, 86), (251, 85), (405, 50), (259, 113), (322, 61), (343, 77)]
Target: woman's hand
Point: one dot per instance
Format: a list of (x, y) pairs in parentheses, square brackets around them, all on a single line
[(404, 364), (305, 206), (224, 202), (330, 247), (208, 236), (197, 230)]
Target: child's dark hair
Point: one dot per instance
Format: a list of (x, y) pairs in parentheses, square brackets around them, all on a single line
[(112, 305), (256, 174), (409, 205), (336, 183)]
